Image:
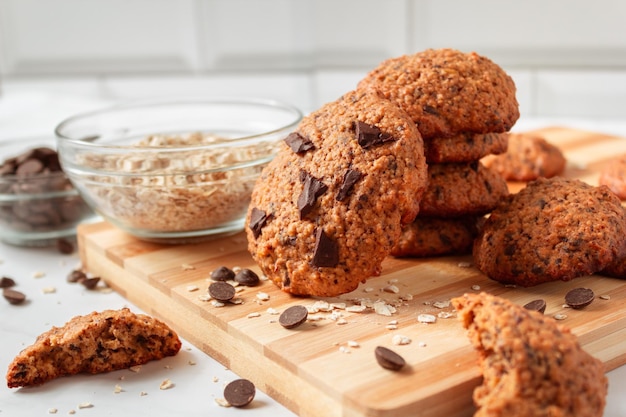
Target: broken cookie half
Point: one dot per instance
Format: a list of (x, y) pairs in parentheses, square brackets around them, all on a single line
[(95, 343), (530, 365)]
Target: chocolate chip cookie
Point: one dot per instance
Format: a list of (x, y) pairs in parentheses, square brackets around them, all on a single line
[(528, 157), (447, 92), (464, 147), (329, 208), (530, 365), (98, 342), (613, 175), (456, 190), (553, 229), (431, 236)]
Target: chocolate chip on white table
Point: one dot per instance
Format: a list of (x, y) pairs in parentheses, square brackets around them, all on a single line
[(239, 392), (6, 282), (13, 296)]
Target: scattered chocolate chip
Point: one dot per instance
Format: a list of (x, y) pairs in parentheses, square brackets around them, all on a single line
[(536, 305), (6, 282), (65, 247), (298, 143), (221, 291), (293, 317), (351, 177), (247, 277), (76, 276), (239, 392), (579, 297), (368, 135), (389, 359), (326, 252), (222, 274), (258, 220), (313, 188), (430, 110), (90, 283), (13, 296)]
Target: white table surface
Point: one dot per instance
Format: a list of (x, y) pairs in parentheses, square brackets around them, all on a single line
[(198, 379)]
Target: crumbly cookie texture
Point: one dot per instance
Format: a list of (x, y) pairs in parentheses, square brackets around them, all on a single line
[(553, 229), (95, 343), (461, 189), (431, 236), (447, 92), (528, 157), (613, 175), (531, 367), (329, 208), (464, 147)]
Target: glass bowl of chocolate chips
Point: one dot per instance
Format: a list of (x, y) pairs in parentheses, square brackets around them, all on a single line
[(38, 204)]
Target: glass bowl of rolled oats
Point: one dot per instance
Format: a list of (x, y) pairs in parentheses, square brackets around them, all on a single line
[(38, 204), (175, 170)]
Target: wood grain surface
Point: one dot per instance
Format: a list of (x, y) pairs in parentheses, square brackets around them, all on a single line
[(315, 369)]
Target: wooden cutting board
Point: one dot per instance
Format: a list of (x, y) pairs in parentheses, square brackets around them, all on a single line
[(315, 369)]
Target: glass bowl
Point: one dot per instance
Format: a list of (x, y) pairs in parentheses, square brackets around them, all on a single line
[(176, 170), (38, 203)]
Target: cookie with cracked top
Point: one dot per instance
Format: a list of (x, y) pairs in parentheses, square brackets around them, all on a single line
[(447, 92), (553, 229), (323, 216)]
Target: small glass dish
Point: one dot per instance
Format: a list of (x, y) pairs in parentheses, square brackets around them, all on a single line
[(38, 204), (175, 170)]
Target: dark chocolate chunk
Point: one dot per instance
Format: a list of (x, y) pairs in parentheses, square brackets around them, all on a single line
[(351, 177), (30, 167), (579, 297), (6, 282), (76, 276), (312, 189), (430, 110), (298, 143), (65, 247), (247, 277), (389, 359), (258, 220), (239, 392), (90, 283), (293, 317), (221, 291), (326, 252), (368, 135), (222, 274), (13, 296), (536, 305)]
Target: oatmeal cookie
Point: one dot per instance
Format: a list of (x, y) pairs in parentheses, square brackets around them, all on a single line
[(329, 208), (98, 342), (528, 157), (613, 175), (431, 236), (464, 147), (461, 189), (553, 229), (531, 366), (447, 92)]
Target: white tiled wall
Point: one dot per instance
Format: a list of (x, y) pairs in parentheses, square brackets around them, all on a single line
[(568, 57)]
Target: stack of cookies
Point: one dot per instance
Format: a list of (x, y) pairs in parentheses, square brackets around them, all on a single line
[(463, 105)]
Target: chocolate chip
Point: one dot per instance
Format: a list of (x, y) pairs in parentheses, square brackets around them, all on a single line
[(536, 305), (298, 143), (579, 297), (326, 252), (293, 317), (351, 177), (239, 392), (389, 359), (76, 276), (221, 291), (222, 274), (258, 220), (312, 189), (6, 282), (13, 296), (247, 277), (430, 110), (369, 135), (29, 167), (65, 247), (90, 283)]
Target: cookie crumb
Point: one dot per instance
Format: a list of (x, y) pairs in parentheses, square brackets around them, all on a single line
[(192, 288), (253, 315), (135, 368), (560, 316), (605, 297), (399, 340), (52, 410), (85, 405), (143, 394), (464, 264), (166, 384), (117, 389), (222, 402), (426, 318), (476, 287), (353, 343), (262, 296), (49, 290), (187, 267), (441, 304), (39, 274)]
